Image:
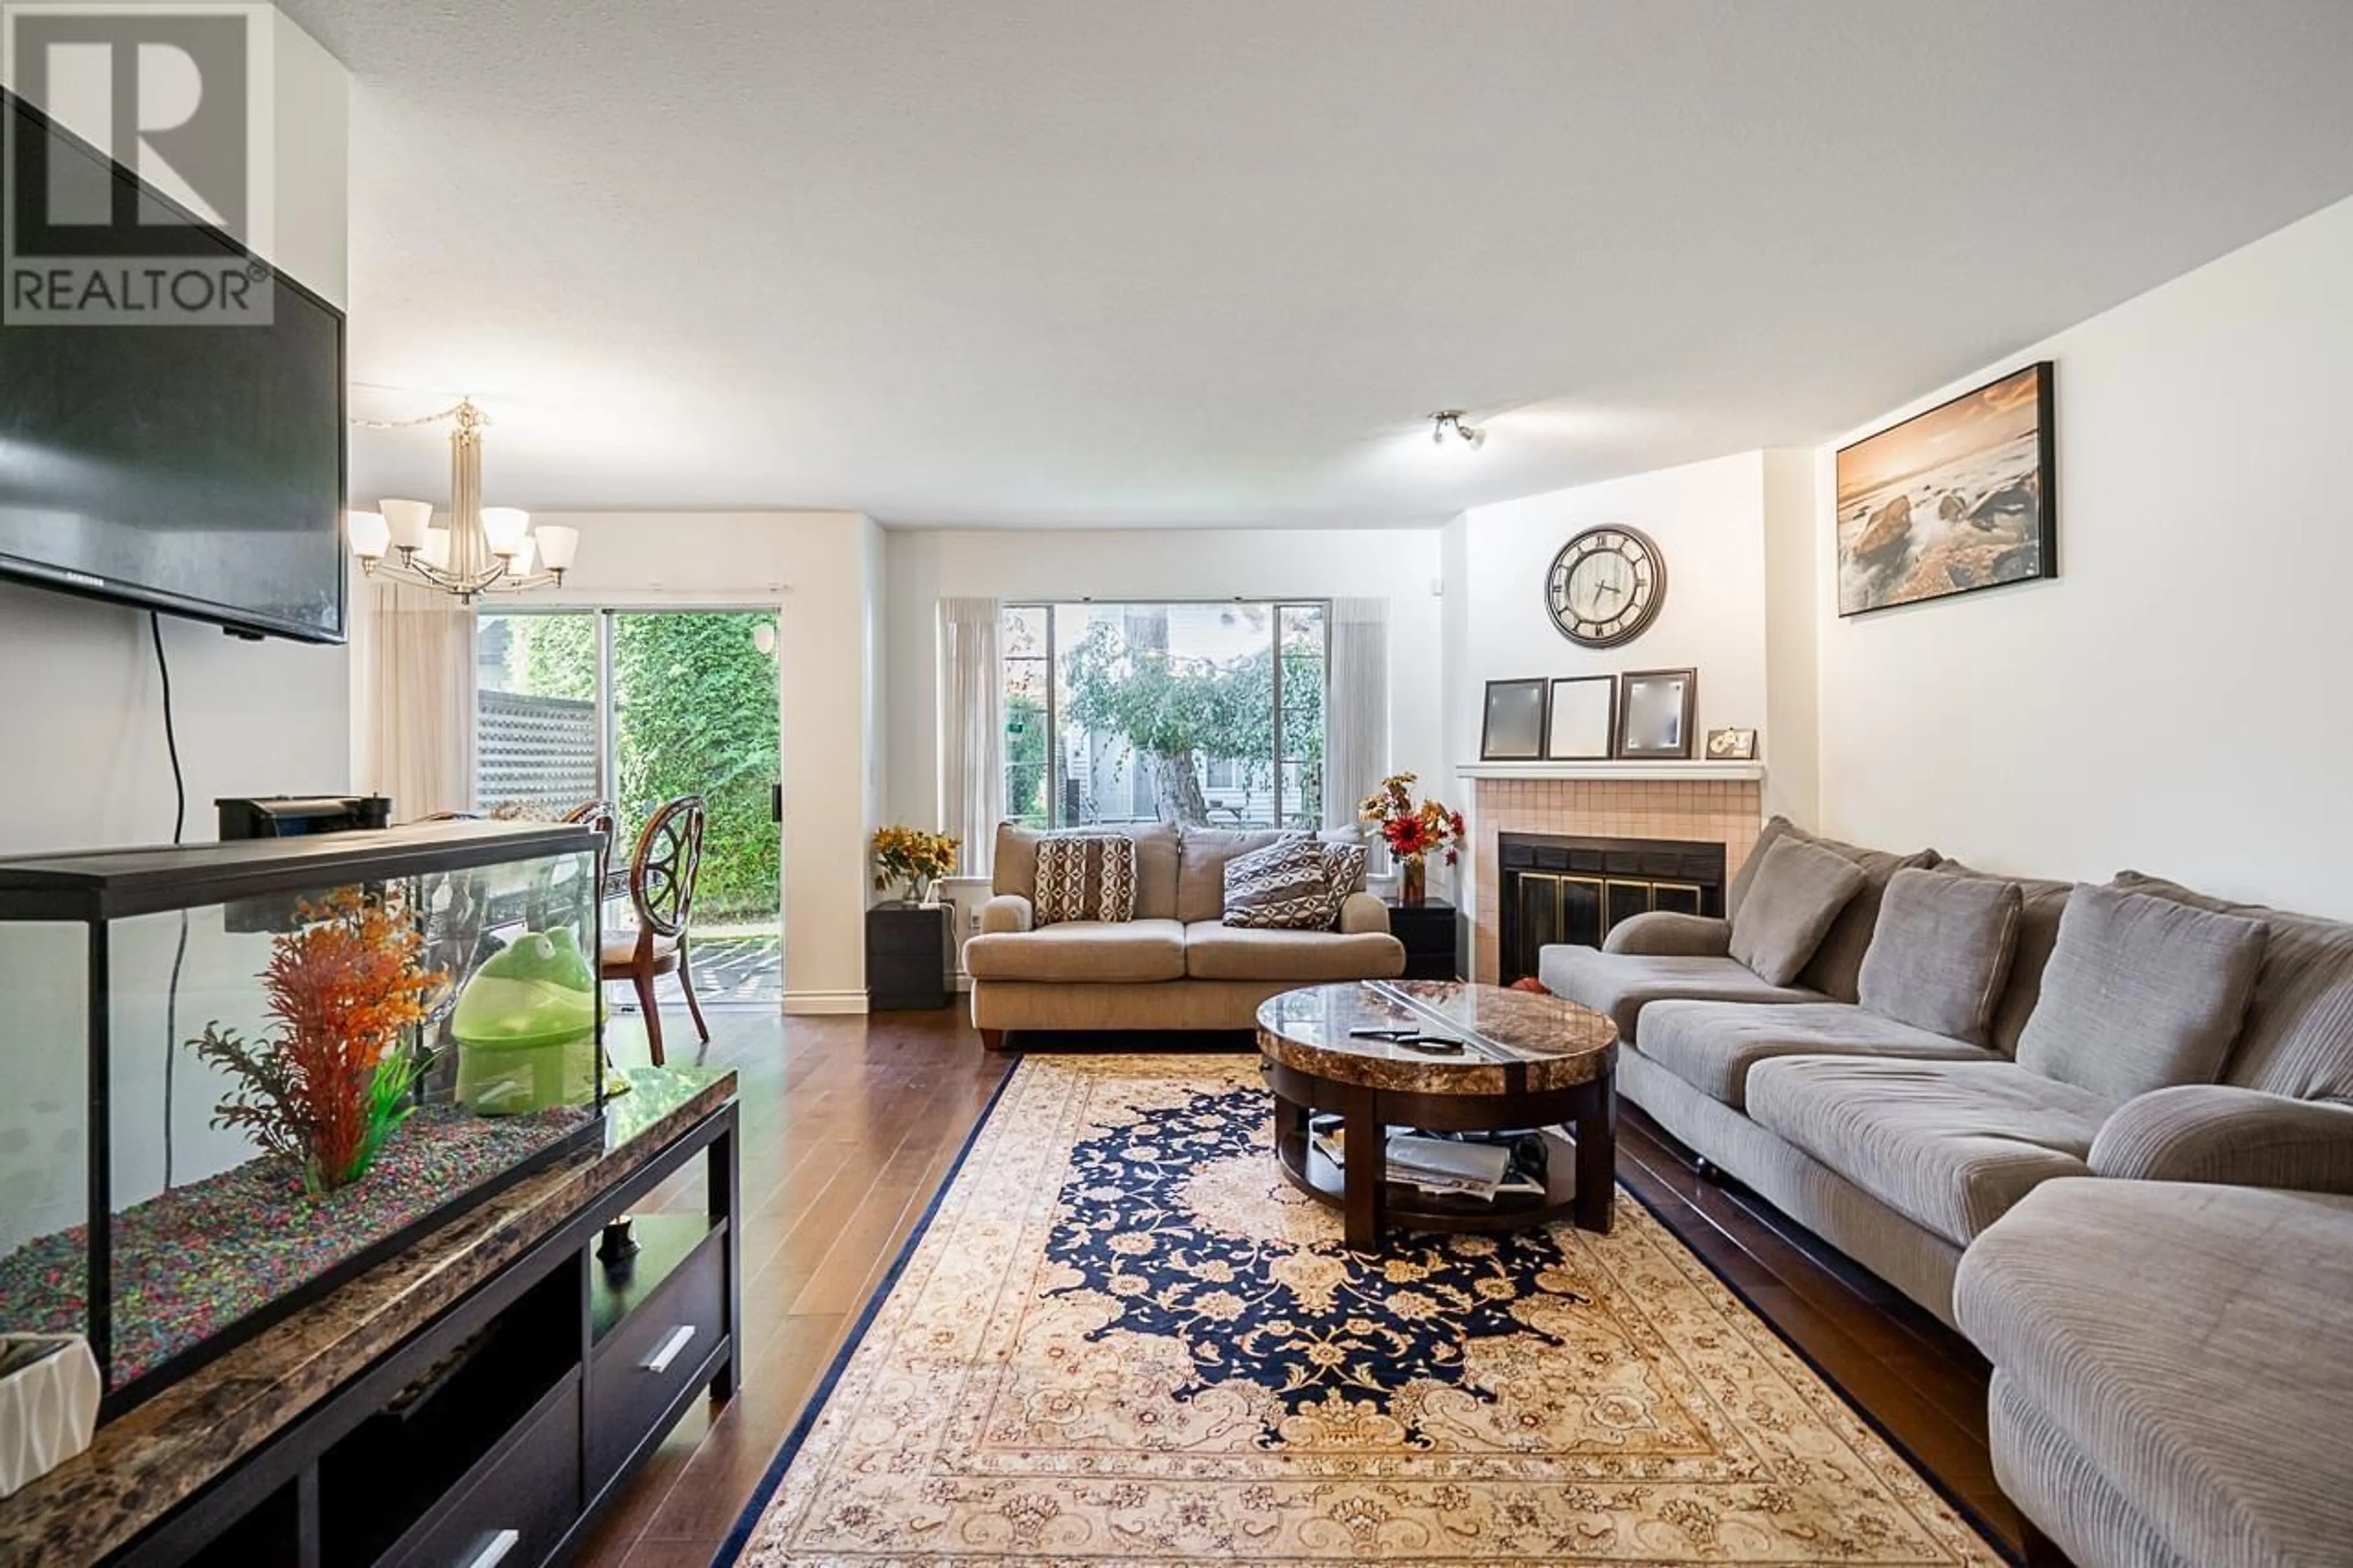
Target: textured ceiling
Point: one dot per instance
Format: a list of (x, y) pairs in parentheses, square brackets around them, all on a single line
[(1071, 262)]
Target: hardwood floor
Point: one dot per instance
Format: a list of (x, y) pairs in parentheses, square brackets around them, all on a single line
[(849, 1125)]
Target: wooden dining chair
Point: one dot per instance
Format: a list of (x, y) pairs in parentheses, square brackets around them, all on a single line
[(662, 872), (606, 818)]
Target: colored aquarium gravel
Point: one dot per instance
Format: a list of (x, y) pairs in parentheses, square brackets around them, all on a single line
[(199, 1258)]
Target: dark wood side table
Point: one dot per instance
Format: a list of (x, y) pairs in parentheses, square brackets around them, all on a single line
[(910, 949), (1432, 949), (1528, 1062)]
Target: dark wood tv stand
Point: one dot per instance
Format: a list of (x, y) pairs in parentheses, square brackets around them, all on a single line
[(472, 1401)]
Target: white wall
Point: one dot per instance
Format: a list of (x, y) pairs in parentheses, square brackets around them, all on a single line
[(820, 569), (81, 706), (1458, 719), (2173, 701), (927, 565), (1708, 520), (1791, 743), (311, 160)]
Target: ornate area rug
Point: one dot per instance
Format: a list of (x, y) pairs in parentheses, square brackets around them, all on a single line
[(1123, 1338)]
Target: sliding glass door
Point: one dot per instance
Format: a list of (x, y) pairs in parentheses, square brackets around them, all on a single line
[(642, 707)]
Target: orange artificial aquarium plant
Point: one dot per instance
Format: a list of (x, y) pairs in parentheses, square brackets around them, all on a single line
[(334, 1078)]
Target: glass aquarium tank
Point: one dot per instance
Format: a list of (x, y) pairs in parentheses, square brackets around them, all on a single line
[(238, 1074)]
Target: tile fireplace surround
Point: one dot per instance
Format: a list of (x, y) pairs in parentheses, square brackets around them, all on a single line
[(1708, 810)]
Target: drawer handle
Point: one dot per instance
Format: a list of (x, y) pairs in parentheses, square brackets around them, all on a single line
[(678, 1338), (491, 1556)]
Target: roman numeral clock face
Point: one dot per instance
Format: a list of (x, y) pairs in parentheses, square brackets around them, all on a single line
[(1607, 586)]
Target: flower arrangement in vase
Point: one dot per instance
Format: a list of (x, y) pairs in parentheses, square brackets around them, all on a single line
[(912, 858), (334, 1078), (1413, 832)]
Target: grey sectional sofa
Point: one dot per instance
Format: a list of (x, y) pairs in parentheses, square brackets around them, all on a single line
[(1912, 1150), (1176, 965), (2173, 1368)]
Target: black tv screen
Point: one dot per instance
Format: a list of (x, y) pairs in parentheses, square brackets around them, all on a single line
[(197, 469)]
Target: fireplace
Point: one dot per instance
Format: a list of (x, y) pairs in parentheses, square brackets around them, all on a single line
[(1556, 888)]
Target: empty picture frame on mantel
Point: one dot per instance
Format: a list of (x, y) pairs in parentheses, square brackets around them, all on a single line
[(1654, 714), (1581, 719), (1513, 729)]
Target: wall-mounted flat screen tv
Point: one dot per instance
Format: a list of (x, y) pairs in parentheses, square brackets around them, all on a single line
[(196, 470)]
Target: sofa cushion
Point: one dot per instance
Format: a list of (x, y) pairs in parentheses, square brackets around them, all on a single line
[(1940, 952), (1621, 984), (1949, 1146), (1137, 950), (1216, 951), (2041, 1470), (1798, 893), (2192, 1342), (2298, 1035), (1343, 866), (1776, 829), (2141, 992), (1015, 868), (1836, 968), (1838, 961), (1283, 887), (1355, 851), (1085, 877), (2041, 905), (1711, 1045), (1201, 867), (1157, 854)]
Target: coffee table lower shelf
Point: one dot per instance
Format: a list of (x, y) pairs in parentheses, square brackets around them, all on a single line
[(1581, 1174), (1408, 1207)]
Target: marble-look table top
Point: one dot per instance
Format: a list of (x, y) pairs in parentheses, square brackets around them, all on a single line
[(146, 1462), (1542, 1041)]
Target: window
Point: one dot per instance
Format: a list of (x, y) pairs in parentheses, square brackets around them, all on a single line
[(1205, 712)]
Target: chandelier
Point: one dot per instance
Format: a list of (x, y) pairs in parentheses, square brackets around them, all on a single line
[(483, 550)]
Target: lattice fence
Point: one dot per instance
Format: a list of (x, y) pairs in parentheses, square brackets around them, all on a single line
[(537, 749)]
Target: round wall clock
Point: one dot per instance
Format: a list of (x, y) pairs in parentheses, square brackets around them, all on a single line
[(1606, 586)]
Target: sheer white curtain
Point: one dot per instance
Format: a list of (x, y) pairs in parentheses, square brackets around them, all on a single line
[(421, 700), (1357, 711), (971, 728)]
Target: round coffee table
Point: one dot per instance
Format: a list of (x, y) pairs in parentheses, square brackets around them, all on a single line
[(1525, 1061)]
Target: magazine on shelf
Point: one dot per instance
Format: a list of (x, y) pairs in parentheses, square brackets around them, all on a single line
[(1441, 1165)]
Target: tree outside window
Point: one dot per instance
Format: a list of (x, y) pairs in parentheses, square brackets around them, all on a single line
[(1209, 714)]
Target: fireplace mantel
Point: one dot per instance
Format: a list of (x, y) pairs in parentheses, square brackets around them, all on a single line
[(1629, 773)]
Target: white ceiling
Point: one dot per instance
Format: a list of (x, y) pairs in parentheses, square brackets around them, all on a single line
[(1062, 262)]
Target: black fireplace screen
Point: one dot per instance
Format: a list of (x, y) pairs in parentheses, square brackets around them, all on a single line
[(1557, 890)]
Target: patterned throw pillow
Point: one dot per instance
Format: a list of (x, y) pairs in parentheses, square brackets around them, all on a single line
[(1283, 887), (1344, 871), (1085, 877)]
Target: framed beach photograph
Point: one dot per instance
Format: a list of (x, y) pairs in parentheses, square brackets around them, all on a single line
[(1513, 729), (1654, 713), (1952, 500), (1581, 718)]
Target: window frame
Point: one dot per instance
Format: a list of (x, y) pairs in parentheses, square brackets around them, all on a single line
[(1276, 607)]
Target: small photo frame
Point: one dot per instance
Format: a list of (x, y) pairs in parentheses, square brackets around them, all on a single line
[(1654, 714), (1513, 729), (1732, 745), (1581, 719)]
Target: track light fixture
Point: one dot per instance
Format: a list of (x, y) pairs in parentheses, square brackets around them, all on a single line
[(1447, 419)]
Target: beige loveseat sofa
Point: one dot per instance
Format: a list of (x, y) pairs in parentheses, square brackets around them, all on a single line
[(1176, 965), (2173, 1343)]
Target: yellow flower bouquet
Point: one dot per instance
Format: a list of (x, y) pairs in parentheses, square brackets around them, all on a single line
[(913, 858)]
